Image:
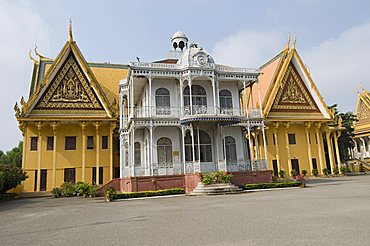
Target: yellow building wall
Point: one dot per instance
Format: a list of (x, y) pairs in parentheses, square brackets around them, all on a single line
[(297, 151), (65, 158)]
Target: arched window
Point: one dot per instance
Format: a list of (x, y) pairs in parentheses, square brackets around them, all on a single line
[(198, 93), (162, 101), (205, 146), (137, 153), (226, 100), (230, 147), (164, 150)]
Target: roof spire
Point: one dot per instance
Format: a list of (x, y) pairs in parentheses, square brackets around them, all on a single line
[(30, 56), (357, 90), (70, 39), (294, 40), (287, 45), (362, 87)]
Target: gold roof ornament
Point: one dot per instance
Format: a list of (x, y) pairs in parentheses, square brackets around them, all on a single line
[(70, 38), (30, 56), (294, 40), (17, 110), (288, 43)]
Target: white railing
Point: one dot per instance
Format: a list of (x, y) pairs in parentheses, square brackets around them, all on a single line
[(221, 68), (238, 166), (164, 112), (259, 165), (154, 65), (167, 168)]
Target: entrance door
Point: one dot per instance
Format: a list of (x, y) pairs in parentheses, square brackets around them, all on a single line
[(35, 182), (295, 165), (43, 180), (275, 167)]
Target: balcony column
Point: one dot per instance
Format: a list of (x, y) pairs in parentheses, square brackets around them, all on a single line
[(191, 96), (122, 154), (287, 125), (181, 96), (337, 150), (198, 143), (263, 123), (183, 148), (309, 153), (151, 149), (131, 95), (97, 125), (54, 126), (192, 142), (330, 149), (250, 146), (39, 150), (121, 108), (133, 151), (150, 96), (214, 96), (276, 126), (319, 146)]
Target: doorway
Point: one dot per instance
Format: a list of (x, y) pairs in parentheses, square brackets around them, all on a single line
[(295, 165)]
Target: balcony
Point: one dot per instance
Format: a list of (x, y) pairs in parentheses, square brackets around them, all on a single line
[(196, 113)]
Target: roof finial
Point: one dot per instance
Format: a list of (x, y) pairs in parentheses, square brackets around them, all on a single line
[(70, 39), (357, 90), (362, 87), (37, 53), (287, 45), (294, 40), (30, 55)]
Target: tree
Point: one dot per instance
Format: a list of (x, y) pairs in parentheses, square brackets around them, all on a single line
[(345, 141), (12, 157), (10, 177)]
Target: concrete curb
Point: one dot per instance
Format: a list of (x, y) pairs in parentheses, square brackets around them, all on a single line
[(149, 197)]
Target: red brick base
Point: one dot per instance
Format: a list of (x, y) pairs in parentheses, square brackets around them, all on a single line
[(187, 181)]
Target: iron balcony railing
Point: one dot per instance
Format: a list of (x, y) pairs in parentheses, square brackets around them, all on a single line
[(176, 112)]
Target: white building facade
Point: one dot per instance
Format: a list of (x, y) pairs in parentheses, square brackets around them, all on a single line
[(186, 115)]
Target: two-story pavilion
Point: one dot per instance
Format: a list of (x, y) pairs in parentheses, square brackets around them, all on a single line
[(183, 114)]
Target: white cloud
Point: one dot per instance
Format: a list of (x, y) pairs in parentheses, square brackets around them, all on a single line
[(340, 63), (20, 28), (336, 65), (248, 48)]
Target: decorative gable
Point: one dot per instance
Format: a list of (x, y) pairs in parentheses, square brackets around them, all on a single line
[(293, 94), (363, 113), (69, 89)]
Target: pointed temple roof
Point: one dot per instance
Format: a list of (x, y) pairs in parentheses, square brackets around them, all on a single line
[(97, 84), (288, 91)]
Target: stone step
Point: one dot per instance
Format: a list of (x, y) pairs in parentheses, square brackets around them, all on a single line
[(215, 189)]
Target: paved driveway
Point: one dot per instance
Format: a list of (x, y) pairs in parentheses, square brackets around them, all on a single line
[(333, 211)]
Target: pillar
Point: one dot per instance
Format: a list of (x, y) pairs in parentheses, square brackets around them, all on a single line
[(183, 148), (191, 97), (97, 124), (39, 150), (319, 146), (309, 153), (112, 126), (83, 125), (54, 125), (330, 149), (337, 150), (287, 146), (214, 96), (276, 126), (150, 96)]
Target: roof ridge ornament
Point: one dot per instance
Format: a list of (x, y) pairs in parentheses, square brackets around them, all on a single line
[(287, 45), (294, 40), (70, 38), (30, 56)]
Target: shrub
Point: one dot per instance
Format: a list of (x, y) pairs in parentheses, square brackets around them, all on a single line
[(315, 172), (344, 169), (110, 193), (304, 172), (335, 170), (10, 177), (93, 191), (325, 171), (82, 189), (272, 185), (216, 178), (282, 173), (57, 192), (293, 172), (173, 191), (7, 196), (68, 189)]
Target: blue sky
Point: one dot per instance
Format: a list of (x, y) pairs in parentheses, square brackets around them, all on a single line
[(333, 38)]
